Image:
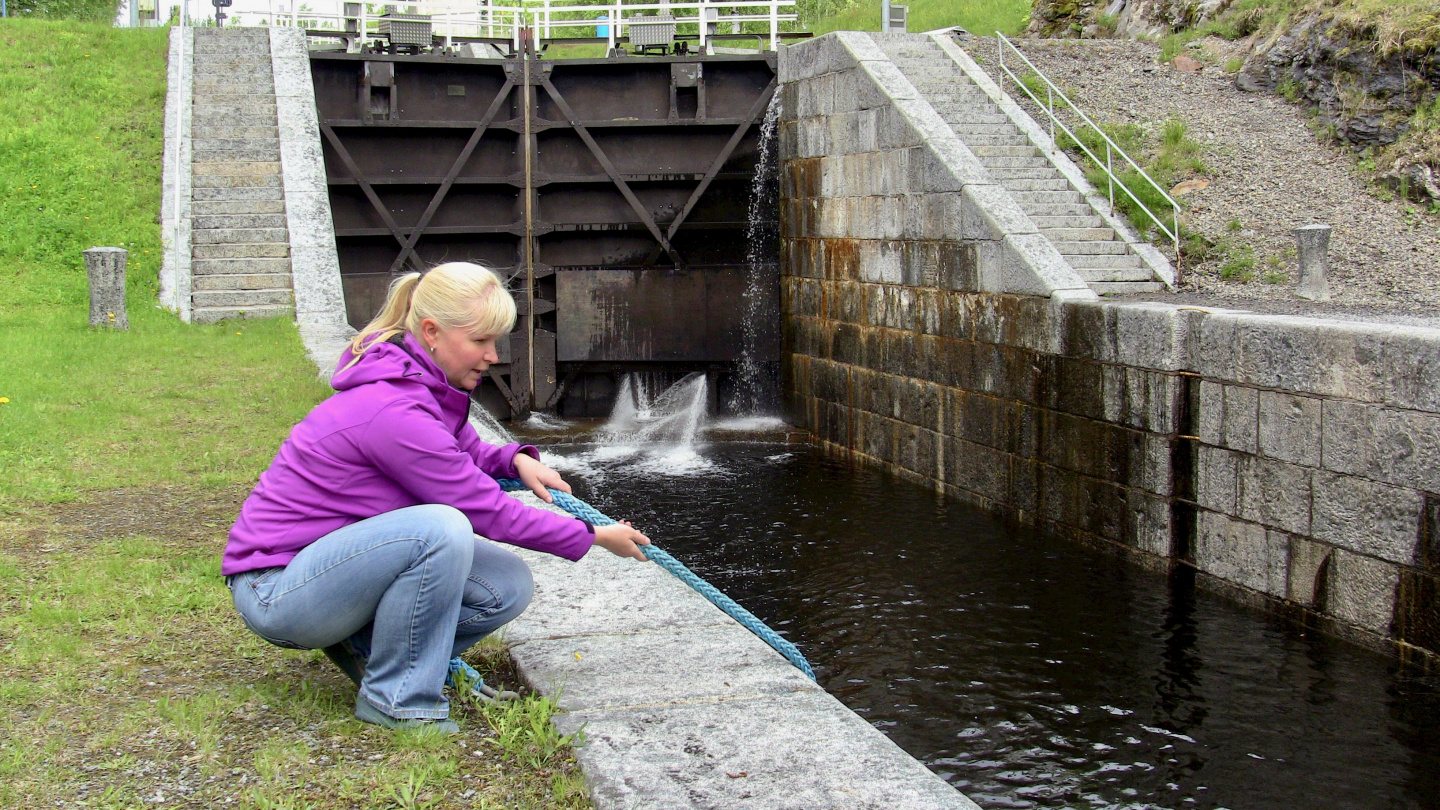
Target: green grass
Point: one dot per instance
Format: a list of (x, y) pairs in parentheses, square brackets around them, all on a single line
[(165, 402), (981, 17), (123, 667)]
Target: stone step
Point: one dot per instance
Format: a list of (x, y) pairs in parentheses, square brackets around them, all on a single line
[(238, 194), (964, 128), (1113, 247), (967, 118), (1051, 223), (239, 281), (1110, 275), (235, 105), (204, 48), (232, 181), (243, 298), (234, 168), (1067, 197), (239, 236), (242, 267), (263, 154), (240, 84), (234, 133), (247, 221), (271, 141), (1006, 173), (1125, 287), (1025, 150), (1048, 184), (217, 65), (201, 208), (1003, 162), (232, 251), (213, 314), (237, 120), (951, 91), (1078, 234), (1126, 262), (1005, 139), (1057, 209)]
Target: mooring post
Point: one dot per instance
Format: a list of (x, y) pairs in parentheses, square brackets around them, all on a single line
[(1314, 249), (106, 268)]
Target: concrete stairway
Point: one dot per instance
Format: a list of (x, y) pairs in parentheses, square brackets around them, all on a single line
[(1058, 209), (240, 243)]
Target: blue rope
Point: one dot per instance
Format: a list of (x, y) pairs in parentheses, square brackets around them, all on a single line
[(660, 557)]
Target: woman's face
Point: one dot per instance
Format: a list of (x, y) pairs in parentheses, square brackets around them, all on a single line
[(463, 356)]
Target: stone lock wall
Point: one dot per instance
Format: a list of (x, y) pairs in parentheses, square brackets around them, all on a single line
[(1294, 460)]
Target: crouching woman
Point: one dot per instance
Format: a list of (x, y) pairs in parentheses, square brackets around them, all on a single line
[(360, 537)]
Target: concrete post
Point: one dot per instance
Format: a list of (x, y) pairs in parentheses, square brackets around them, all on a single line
[(106, 268), (1314, 241)]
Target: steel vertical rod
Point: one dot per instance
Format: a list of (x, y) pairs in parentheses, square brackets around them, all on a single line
[(529, 228)]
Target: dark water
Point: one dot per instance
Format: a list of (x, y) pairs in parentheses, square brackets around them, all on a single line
[(1026, 671)]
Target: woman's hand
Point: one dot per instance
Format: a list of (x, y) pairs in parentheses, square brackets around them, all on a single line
[(537, 477), (621, 539)]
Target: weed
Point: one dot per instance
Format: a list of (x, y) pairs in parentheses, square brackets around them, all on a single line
[(1289, 90), (524, 731), (1234, 225), (1274, 277), (1239, 264), (1234, 65)]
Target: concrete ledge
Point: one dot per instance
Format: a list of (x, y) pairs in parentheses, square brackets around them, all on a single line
[(681, 707), (314, 259), (175, 225)]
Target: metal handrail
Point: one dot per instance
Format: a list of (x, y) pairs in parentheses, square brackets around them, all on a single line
[(508, 17), (1111, 148)]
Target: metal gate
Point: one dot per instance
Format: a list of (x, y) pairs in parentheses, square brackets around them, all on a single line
[(612, 193)]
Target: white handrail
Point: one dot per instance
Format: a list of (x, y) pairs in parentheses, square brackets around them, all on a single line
[(1111, 148), (503, 19)]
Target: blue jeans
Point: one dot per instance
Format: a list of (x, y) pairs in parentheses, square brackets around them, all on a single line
[(415, 587)]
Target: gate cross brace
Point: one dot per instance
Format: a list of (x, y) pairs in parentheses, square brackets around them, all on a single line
[(407, 246), (354, 170), (610, 170), (756, 111)]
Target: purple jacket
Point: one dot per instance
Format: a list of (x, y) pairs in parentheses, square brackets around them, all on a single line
[(395, 435)]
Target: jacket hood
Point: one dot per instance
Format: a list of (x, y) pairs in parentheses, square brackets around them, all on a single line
[(399, 358)]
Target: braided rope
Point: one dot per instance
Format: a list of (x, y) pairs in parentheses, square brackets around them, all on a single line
[(660, 557)]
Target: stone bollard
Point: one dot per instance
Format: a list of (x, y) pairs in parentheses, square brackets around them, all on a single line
[(106, 268), (1314, 262)]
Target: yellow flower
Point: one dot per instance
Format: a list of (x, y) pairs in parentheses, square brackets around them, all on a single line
[(239, 333), (577, 656), (4, 400)]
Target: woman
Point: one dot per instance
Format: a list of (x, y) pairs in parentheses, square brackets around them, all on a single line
[(360, 537)]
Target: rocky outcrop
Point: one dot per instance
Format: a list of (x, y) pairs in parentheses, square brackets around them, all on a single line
[(1367, 96), (1120, 18)]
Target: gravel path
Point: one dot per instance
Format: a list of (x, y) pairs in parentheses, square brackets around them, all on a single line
[(1269, 172)]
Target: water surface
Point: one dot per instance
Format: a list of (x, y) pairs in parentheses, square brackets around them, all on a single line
[(1026, 671)]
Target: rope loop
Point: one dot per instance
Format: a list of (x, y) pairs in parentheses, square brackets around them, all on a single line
[(662, 558)]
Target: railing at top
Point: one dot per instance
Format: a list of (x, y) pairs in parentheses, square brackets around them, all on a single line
[(503, 20), (1111, 148)]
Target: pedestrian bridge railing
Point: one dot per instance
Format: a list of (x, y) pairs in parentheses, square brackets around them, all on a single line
[(502, 21)]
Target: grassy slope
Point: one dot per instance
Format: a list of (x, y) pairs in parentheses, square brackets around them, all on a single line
[(983, 17), (123, 669)]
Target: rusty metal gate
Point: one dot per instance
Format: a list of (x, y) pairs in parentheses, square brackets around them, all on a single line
[(612, 193)]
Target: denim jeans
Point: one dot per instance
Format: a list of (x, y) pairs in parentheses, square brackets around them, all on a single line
[(415, 587)]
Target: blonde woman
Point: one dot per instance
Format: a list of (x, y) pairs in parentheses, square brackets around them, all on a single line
[(360, 537)]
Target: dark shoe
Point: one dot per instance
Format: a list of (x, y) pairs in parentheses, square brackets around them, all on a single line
[(464, 679), (367, 713), (348, 659)]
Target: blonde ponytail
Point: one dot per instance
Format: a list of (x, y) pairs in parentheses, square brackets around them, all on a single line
[(456, 295)]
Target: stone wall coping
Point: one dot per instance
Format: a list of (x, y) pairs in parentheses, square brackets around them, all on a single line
[(314, 258), (175, 273), (681, 707), (1040, 136)]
